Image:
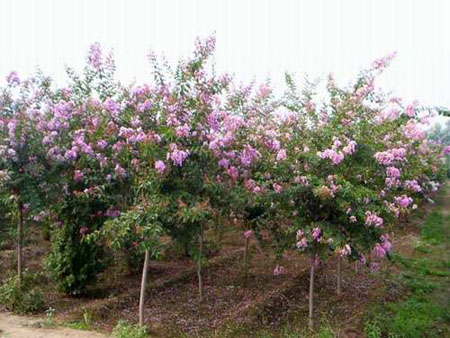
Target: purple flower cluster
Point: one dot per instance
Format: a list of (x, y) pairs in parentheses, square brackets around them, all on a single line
[(389, 156), (403, 201), (176, 155), (372, 219)]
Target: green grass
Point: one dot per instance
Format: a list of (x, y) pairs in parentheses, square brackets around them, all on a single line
[(423, 312), (124, 329), (432, 231), (416, 316), (85, 324)]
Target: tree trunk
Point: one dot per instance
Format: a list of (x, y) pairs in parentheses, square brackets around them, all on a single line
[(339, 275), (246, 258), (143, 285), (19, 242), (356, 266), (199, 265), (311, 290)]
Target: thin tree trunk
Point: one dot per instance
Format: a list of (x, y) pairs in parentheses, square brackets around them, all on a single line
[(143, 286), (19, 243), (311, 290), (339, 275), (356, 266), (199, 265), (246, 258), (219, 228)]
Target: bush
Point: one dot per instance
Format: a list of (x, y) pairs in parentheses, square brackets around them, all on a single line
[(24, 299), (72, 262), (124, 329)]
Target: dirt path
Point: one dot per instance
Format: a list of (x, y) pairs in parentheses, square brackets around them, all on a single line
[(12, 326)]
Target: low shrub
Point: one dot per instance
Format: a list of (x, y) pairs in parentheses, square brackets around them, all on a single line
[(124, 329), (24, 299)]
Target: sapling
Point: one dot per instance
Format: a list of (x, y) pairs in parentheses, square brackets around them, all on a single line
[(311, 287), (339, 275), (199, 263), (247, 235), (143, 286)]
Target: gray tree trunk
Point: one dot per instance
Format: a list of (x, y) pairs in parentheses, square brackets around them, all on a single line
[(199, 265), (143, 286), (246, 258), (311, 290), (19, 242), (339, 275)]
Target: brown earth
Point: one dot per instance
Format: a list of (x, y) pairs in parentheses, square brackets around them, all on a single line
[(22, 327), (261, 301)]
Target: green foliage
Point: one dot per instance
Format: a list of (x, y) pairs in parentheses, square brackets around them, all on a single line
[(73, 262), (140, 226), (49, 317), (372, 329), (124, 329), (85, 324), (24, 299)]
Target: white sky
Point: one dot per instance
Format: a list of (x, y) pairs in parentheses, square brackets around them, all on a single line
[(256, 38)]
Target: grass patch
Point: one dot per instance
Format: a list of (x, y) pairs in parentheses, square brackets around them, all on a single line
[(432, 231), (85, 324), (416, 316), (423, 311), (124, 329)]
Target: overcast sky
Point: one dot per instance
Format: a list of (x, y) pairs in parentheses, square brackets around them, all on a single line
[(255, 38)]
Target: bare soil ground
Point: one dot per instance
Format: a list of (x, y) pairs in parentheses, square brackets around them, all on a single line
[(263, 300), (22, 327)]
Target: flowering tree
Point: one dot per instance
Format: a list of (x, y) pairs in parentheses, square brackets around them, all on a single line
[(81, 142), (168, 139), (174, 156), (24, 169), (326, 178)]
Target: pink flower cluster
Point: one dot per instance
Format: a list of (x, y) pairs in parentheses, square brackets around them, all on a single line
[(403, 201), (316, 233), (413, 131), (302, 242), (277, 188), (413, 185), (248, 234), (279, 270), (160, 166), (334, 154), (345, 251), (391, 155), (411, 109), (249, 155), (381, 249), (176, 155), (373, 219)]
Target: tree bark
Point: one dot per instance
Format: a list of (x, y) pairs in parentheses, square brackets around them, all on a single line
[(143, 286), (311, 290), (246, 258), (199, 265), (339, 275), (19, 242)]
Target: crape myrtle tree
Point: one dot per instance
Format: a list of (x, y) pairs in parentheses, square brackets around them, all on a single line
[(24, 170), (101, 162), (169, 133), (323, 182), (81, 137)]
